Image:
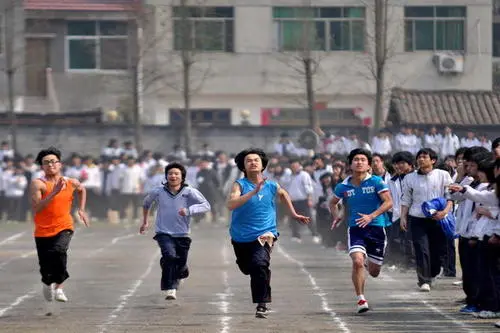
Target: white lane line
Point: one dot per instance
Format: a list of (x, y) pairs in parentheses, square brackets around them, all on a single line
[(224, 297), (319, 291), (12, 238), (22, 256), (18, 301), (384, 277), (130, 292), (35, 290), (113, 242)]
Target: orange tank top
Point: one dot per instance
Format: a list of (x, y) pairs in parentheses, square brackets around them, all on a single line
[(56, 216)]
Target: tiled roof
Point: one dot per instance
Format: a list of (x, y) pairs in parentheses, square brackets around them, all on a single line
[(446, 107), (87, 5)]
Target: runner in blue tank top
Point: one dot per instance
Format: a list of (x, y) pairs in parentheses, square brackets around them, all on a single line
[(253, 224), (367, 199)]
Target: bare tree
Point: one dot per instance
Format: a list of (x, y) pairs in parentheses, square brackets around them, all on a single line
[(300, 55), (10, 27), (382, 48)]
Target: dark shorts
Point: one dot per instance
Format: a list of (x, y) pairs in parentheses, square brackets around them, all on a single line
[(370, 240)]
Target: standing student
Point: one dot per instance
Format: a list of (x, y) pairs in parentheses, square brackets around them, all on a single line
[(51, 201), (253, 227), (367, 200), (176, 202)]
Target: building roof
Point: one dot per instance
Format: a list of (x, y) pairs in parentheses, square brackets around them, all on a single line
[(453, 107), (85, 5)]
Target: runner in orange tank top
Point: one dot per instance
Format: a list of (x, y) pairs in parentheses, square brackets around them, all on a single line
[(51, 198)]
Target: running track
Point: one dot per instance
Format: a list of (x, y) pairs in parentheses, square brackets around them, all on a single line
[(114, 287)]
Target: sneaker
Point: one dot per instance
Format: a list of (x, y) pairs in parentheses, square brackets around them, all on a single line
[(261, 312), (60, 296), (316, 240), (468, 309), (425, 287), (458, 283), (363, 306), (171, 294), (48, 292), (296, 240), (497, 324), (486, 315)]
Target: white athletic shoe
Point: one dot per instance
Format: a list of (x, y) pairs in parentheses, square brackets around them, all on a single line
[(60, 296), (316, 240), (171, 294), (363, 306), (425, 287), (48, 292)]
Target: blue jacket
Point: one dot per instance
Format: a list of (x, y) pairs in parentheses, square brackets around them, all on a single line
[(431, 207)]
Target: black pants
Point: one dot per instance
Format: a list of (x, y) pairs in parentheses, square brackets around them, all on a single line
[(488, 299), (428, 241), (254, 259), (14, 208), (173, 262), (448, 260), (53, 257), (470, 262), (302, 208)]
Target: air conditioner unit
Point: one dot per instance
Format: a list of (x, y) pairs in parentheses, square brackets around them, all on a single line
[(449, 63)]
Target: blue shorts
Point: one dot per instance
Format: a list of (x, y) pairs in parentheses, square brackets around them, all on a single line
[(370, 240)]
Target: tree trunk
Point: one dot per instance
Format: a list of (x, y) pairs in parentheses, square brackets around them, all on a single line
[(10, 72), (188, 135), (138, 105), (313, 113), (380, 61)]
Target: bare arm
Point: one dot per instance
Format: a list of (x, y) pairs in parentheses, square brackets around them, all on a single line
[(82, 193), (285, 197), (37, 203), (237, 200), (334, 210), (386, 204)]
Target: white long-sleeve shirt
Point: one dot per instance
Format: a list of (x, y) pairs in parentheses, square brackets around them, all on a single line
[(15, 185), (418, 188), (300, 186), (381, 146), (450, 145), (434, 142)]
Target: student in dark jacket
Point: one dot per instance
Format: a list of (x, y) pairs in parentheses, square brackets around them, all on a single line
[(208, 185)]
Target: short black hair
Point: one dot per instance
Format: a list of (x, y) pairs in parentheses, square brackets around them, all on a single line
[(460, 151), (379, 156), (46, 152), (495, 143), (403, 156), (488, 167), (240, 158), (427, 151), (473, 151), (176, 165), (360, 151), (479, 157)]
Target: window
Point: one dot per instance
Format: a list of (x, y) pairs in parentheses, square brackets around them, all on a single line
[(203, 28), (101, 45), (437, 28), (201, 117), (496, 39), (320, 28)]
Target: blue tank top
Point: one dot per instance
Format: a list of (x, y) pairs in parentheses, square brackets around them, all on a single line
[(257, 216)]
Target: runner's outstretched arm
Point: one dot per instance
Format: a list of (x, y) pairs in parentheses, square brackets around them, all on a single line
[(284, 197)]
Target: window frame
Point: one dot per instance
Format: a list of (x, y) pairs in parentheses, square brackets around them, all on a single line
[(192, 24), (327, 43), (435, 19), (97, 38), (197, 117)]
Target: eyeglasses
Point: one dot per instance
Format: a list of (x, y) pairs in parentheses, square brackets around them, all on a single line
[(49, 162)]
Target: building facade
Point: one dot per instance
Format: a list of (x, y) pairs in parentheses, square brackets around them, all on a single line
[(247, 58)]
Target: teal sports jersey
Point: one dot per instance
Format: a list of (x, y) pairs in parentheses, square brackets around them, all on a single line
[(363, 199), (258, 215)]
